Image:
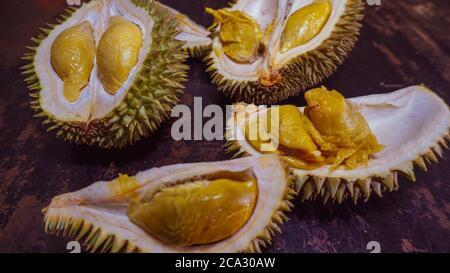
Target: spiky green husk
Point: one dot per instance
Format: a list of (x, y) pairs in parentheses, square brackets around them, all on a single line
[(337, 190), (93, 238), (302, 72), (148, 102), (198, 51)]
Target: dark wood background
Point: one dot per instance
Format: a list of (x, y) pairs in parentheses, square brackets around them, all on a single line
[(402, 43)]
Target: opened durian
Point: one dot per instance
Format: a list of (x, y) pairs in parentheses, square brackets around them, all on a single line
[(339, 148), (109, 73), (264, 51), (230, 206)]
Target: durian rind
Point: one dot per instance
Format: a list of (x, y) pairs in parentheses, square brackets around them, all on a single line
[(104, 231), (302, 72), (338, 188), (198, 42), (155, 91)]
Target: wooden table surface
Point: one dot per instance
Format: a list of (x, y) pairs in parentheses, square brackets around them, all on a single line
[(402, 43)]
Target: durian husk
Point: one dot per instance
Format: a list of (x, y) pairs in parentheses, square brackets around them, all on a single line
[(332, 189), (302, 72), (337, 190), (200, 43), (74, 215), (143, 109)]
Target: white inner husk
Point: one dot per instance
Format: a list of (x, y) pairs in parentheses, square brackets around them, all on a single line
[(192, 33), (408, 122), (99, 204), (266, 12), (94, 102)]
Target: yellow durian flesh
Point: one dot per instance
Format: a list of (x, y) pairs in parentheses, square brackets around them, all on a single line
[(304, 24), (331, 131), (72, 58), (292, 131), (118, 52), (341, 124), (240, 34), (196, 213)]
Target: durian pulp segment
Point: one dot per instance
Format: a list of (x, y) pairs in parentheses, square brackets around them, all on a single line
[(198, 212), (118, 52), (94, 101), (331, 131), (275, 18), (72, 57), (286, 131), (264, 12), (346, 136), (240, 34), (304, 24), (325, 24)]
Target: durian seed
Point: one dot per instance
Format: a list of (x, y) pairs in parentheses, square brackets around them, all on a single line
[(118, 52), (304, 24), (196, 213), (72, 58), (240, 34)]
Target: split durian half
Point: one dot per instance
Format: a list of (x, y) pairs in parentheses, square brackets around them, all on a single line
[(229, 206), (109, 73), (407, 128), (264, 51)]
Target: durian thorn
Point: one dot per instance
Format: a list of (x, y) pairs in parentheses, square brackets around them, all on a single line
[(431, 156), (388, 182), (350, 187), (376, 186), (438, 150), (307, 190), (355, 196), (340, 193), (333, 185), (300, 182), (443, 142), (92, 237), (319, 181), (420, 163)]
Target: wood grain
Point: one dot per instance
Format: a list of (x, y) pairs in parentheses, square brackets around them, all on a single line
[(402, 43)]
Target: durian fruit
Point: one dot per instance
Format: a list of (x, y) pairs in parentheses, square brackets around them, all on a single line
[(229, 206), (340, 149), (109, 73), (264, 51), (196, 36)]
